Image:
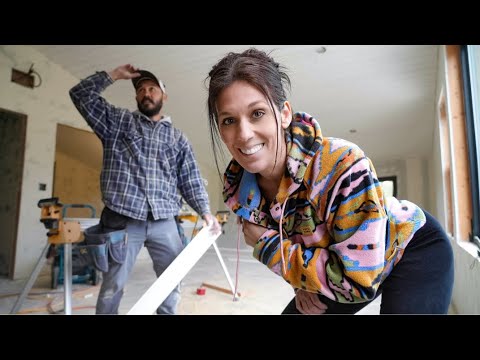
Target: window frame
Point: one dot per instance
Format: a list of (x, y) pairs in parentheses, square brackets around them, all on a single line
[(473, 134)]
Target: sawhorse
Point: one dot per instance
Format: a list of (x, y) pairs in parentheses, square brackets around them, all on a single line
[(60, 231)]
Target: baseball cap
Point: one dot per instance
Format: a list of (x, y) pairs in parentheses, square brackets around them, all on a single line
[(147, 75)]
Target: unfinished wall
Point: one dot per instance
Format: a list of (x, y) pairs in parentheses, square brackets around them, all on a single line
[(78, 162), (45, 106), (77, 183)]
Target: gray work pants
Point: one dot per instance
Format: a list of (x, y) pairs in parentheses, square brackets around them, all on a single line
[(163, 243)]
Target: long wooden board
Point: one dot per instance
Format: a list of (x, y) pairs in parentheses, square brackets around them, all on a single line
[(163, 286)]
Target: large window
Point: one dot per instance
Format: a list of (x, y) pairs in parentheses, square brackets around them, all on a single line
[(389, 185), (471, 83)]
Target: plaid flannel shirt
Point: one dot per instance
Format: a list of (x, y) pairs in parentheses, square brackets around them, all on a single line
[(144, 161)]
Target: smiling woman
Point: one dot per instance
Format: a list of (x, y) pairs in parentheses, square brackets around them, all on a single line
[(248, 128), (313, 208)]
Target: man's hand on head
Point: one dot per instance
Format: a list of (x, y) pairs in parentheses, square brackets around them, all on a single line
[(127, 71)]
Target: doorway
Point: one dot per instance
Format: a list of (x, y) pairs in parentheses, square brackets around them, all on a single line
[(13, 128), (78, 162)]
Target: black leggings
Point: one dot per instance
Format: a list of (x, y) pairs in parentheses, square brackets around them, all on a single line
[(421, 282)]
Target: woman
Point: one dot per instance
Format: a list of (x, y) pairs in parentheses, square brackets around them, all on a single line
[(312, 206)]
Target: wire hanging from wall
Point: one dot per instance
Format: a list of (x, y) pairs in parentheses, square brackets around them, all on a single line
[(33, 72)]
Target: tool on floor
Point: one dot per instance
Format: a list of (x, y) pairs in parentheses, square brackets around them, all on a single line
[(218, 288), (201, 291), (62, 231)]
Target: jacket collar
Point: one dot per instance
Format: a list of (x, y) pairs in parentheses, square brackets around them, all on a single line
[(165, 118)]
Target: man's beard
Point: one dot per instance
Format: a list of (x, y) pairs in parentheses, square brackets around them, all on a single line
[(150, 111)]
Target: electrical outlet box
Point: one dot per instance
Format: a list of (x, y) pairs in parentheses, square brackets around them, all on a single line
[(24, 79)]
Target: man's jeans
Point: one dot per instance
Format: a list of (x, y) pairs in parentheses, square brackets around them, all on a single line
[(163, 243)]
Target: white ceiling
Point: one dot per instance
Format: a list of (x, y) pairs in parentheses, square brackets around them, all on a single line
[(386, 93)]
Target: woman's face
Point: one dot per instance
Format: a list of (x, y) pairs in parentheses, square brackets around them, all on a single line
[(248, 127)]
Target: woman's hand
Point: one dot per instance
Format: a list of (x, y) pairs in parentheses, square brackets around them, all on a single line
[(252, 232), (308, 303)]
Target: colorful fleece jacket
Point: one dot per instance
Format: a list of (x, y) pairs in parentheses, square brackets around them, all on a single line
[(341, 237)]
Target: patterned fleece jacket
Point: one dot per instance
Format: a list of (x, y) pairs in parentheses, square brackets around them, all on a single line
[(339, 236)]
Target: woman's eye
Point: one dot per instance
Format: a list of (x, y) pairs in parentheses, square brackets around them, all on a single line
[(258, 113), (227, 121)]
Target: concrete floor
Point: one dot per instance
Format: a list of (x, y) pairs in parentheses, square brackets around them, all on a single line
[(262, 292)]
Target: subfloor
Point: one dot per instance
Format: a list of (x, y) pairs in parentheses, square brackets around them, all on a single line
[(262, 292)]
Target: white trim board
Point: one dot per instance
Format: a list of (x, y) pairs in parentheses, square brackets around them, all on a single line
[(174, 273)]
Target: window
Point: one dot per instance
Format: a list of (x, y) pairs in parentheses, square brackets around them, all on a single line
[(389, 185), (470, 55)]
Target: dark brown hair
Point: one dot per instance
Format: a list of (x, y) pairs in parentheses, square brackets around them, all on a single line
[(255, 67)]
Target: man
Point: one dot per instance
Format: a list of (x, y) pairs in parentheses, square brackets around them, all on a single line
[(145, 160)]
